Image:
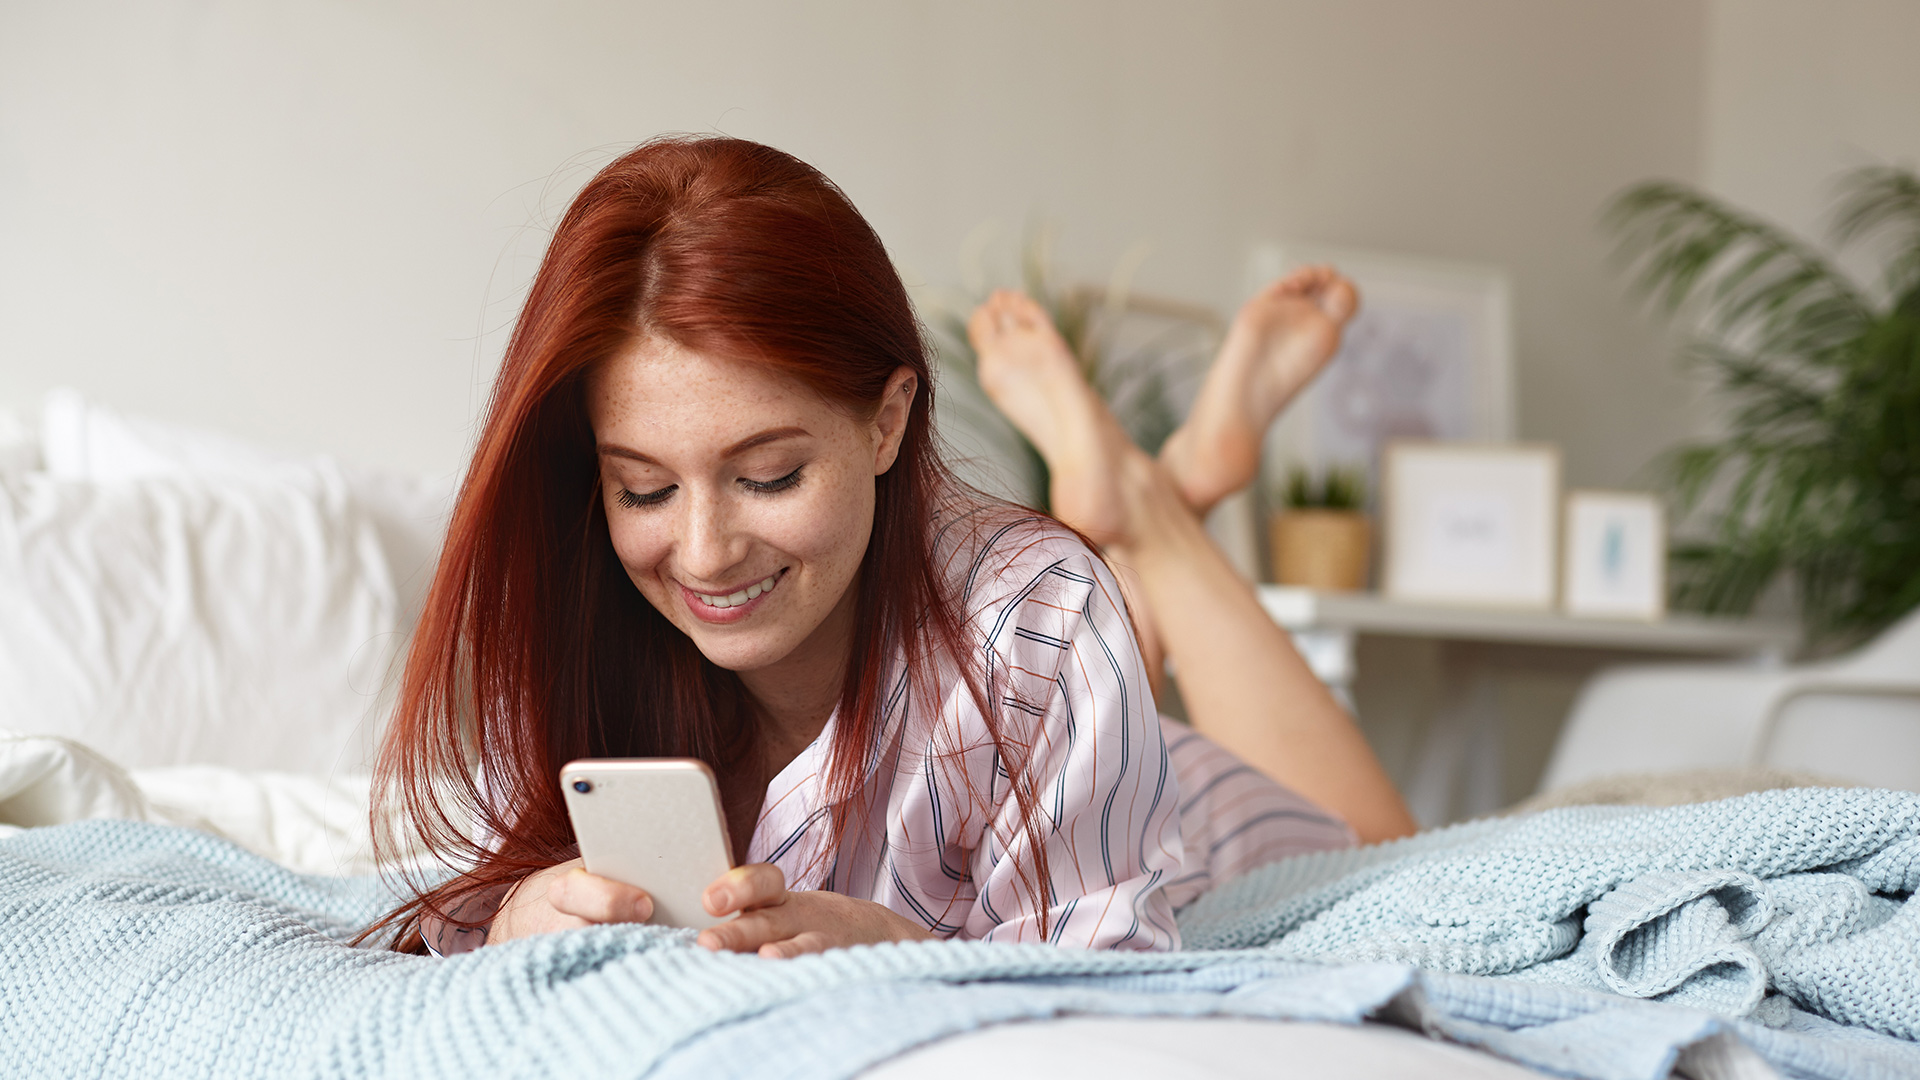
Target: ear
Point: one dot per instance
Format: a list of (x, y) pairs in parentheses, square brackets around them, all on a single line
[(890, 420)]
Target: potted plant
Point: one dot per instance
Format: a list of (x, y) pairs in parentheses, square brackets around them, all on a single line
[(1322, 538), (1817, 477)]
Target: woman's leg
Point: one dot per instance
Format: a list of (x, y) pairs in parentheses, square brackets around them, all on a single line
[(1278, 342), (1244, 684)]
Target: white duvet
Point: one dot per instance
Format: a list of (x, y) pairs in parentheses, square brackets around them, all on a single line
[(311, 823)]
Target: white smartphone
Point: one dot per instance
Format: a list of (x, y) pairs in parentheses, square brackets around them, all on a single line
[(654, 823)]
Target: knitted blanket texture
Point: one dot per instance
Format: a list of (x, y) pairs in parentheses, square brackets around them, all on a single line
[(1768, 933)]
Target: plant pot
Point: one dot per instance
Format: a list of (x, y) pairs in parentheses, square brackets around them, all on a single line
[(1321, 549)]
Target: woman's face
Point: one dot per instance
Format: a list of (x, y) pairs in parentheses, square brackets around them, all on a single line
[(739, 501)]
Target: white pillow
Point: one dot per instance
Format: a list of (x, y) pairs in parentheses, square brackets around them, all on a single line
[(184, 619), (19, 445), (84, 440)]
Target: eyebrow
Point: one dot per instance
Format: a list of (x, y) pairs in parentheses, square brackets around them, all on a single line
[(741, 447)]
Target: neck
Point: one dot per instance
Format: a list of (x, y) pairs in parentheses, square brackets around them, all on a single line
[(795, 696)]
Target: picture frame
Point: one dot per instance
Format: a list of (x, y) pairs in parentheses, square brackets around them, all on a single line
[(1428, 356), (1472, 524), (1615, 561)]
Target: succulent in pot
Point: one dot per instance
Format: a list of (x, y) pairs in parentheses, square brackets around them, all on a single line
[(1322, 538)]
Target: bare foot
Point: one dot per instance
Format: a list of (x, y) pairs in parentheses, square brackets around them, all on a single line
[(1030, 375), (1278, 342)]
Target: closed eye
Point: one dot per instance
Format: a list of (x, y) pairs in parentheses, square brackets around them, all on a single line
[(768, 487), (634, 500)]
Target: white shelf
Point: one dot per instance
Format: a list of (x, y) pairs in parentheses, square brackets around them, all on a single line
[(1300, 609)]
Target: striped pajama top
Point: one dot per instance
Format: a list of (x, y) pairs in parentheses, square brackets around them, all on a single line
[(1124, 848), (1140, 814)]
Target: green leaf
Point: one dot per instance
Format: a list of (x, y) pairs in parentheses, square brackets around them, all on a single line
[(1817, 479)]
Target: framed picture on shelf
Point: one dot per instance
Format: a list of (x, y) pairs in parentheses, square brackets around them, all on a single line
[(1616, 555), (1472, 524), (1428, 356)]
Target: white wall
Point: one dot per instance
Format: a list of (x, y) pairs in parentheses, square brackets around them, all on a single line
[(309, 222), (1801, 91)]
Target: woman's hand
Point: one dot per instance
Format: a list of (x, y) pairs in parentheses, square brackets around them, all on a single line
[(563, 897), (777, 924)]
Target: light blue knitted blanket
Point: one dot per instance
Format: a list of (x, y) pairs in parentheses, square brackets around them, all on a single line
[(144, 951)]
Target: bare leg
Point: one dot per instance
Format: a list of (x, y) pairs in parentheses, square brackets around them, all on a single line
[(1030, 374), (1245, 686), (1278, 342)]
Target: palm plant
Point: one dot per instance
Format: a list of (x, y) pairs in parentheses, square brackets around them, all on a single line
[(1137, 352), (1818, 475)]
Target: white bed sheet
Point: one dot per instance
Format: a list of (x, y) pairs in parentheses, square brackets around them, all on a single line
[(1201, 1048), (312, 823)]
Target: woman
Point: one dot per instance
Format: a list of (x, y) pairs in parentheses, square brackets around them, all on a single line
[(706, 518)]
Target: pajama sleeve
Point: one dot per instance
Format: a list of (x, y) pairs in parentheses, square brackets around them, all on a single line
[(1073, 695)]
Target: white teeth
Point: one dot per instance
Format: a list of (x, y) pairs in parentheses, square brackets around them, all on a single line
[(751, 592)]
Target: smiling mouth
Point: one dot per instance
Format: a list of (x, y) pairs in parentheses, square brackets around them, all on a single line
[(744, 596)]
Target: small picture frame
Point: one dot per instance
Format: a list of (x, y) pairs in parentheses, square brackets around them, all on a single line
[(1616, 556), (1472, 525)]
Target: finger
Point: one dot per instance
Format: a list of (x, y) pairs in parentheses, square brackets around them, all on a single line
[(527, 911), (599, 900), (745, 887), (749, 932), (812, 941)]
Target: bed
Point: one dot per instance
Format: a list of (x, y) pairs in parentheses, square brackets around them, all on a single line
[(197, 642)]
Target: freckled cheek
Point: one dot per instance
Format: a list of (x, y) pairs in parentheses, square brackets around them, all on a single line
[(844, 525), (828, 534), (640, 547)]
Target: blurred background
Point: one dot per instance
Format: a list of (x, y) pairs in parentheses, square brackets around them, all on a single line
[(310, 223)]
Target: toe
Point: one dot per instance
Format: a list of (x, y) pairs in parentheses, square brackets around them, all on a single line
[(1339, 299), (1021, 311), (979, 324), (985, 324), (1301, 281)]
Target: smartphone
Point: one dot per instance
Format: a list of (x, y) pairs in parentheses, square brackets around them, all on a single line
[(654, 823)]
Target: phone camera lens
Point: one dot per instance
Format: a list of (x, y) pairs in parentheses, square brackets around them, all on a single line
[(582, 786)]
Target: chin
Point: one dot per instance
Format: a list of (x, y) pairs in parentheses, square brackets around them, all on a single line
[(739, 652)]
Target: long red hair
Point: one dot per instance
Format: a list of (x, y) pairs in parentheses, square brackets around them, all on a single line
[(534, 647)]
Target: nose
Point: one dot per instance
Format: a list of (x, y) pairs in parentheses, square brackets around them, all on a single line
[(711, 544)]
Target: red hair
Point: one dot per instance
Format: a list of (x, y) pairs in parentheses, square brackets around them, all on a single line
[(534, 647)]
